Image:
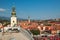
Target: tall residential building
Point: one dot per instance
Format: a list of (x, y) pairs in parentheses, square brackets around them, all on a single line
[(13, 17)]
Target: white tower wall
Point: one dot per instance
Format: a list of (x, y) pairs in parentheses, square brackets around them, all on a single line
[(13, 21)]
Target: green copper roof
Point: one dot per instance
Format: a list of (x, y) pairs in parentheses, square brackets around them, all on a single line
[(13, 11)]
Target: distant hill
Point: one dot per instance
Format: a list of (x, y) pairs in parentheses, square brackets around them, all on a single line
[(8, 18), (4, 18)]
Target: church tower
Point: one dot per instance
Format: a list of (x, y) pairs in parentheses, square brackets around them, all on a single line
[(28, 19), (13, 17)]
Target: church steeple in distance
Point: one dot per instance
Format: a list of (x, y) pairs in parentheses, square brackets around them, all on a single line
[(29, 19), (13, 11)]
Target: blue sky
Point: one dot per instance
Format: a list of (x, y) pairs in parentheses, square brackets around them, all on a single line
[(36, 9)]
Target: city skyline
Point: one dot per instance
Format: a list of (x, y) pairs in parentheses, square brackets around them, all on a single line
[(36, 9)]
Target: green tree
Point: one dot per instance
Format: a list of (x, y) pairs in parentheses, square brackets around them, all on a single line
[(35, 32)]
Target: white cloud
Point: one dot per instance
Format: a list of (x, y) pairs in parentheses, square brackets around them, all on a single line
[(2, 10)]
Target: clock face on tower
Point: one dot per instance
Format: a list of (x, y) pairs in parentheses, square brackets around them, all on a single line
[(13, 21)]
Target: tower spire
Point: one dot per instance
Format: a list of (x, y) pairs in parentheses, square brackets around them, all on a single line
[(13, 11)]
